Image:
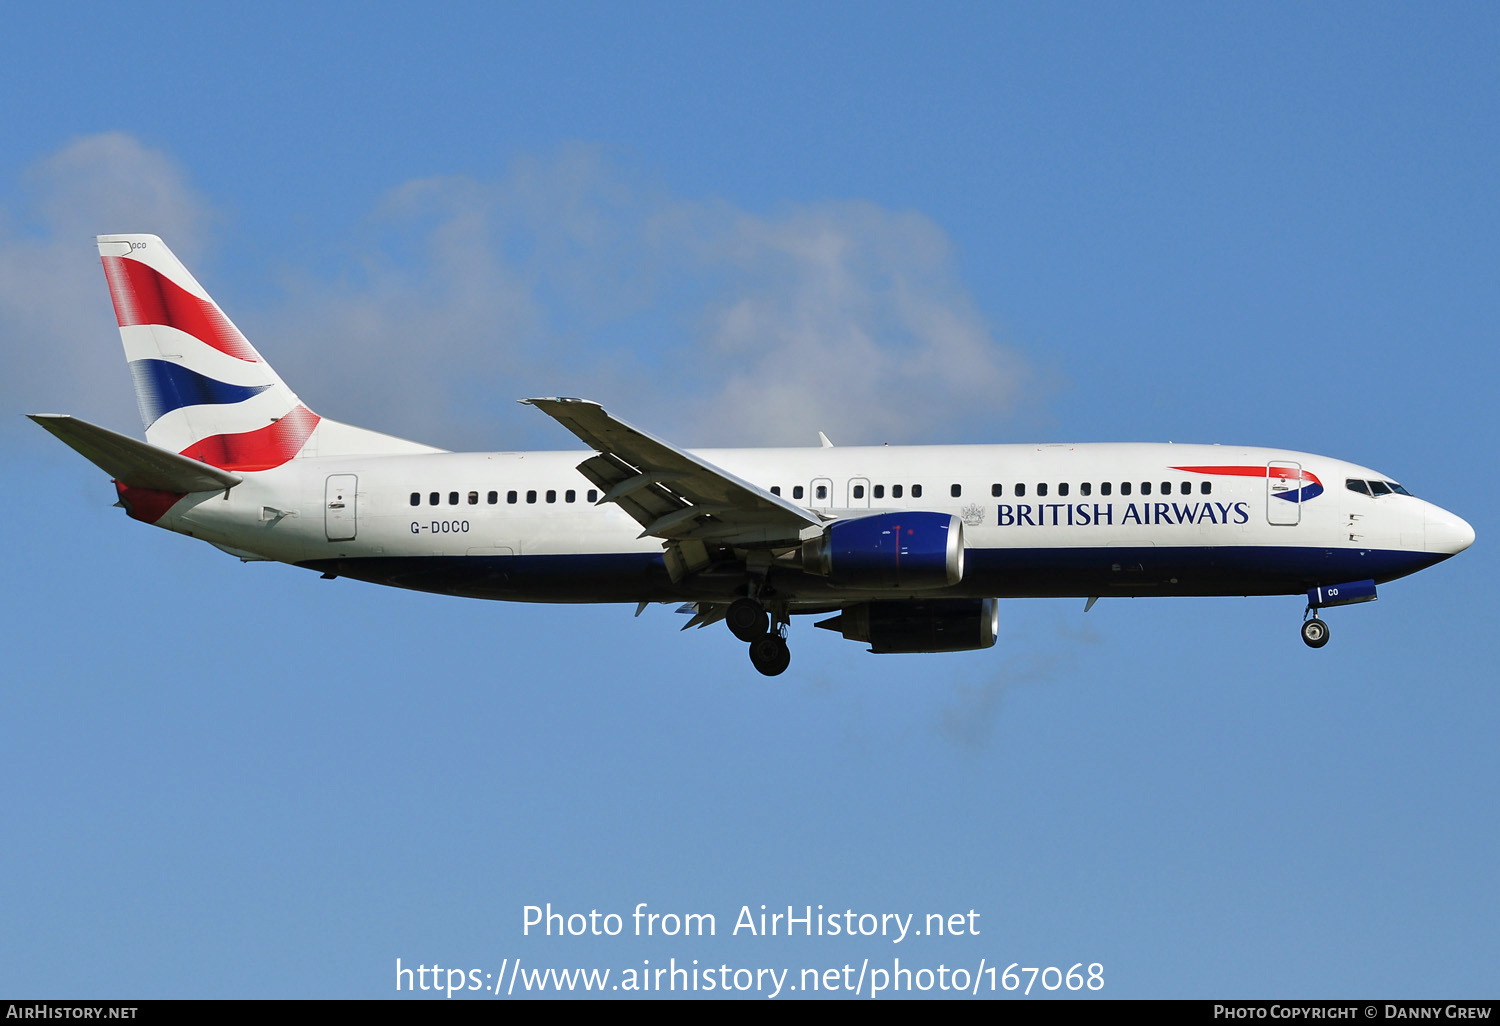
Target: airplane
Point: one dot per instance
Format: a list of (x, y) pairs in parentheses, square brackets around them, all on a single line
[(903, 548)]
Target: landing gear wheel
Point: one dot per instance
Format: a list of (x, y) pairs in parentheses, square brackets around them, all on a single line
[(747, 619), (770, 655), (1315, 633)]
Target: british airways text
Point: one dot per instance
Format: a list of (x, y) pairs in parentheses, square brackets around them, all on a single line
[(1084, 514)]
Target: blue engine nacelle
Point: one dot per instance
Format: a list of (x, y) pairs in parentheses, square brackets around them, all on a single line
[(906, 550), (932, 625)]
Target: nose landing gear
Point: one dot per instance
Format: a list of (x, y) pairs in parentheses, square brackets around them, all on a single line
[(1315, 631)]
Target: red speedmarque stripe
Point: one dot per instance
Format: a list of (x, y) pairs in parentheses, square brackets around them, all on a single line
[(148, 505), (262, 449), (144, 296), (1285, 473)]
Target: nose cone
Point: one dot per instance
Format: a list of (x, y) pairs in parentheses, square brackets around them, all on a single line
[(1447, 533)]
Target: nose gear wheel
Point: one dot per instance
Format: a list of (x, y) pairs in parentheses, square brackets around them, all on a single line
[(1314, 633)]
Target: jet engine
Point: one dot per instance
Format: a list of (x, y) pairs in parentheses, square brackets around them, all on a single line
[(935, 625), (904, 550)]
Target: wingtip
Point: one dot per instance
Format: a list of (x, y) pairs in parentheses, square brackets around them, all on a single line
[(560, 399)]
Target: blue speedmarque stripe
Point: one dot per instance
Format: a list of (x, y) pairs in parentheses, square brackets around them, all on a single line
[(162, 386)]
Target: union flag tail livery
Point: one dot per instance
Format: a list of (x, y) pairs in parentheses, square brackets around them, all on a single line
[(908, 547), (202, 389)]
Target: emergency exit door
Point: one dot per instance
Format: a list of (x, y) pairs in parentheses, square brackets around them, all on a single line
[(820, 492), (339, 513)]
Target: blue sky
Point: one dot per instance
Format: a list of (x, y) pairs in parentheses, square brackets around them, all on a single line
[(738, 224)]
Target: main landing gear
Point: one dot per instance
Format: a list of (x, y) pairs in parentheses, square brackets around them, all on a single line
[(1314, 631), (749, 621)]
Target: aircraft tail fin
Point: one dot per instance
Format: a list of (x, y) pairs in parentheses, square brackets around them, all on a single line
[(202, 389)]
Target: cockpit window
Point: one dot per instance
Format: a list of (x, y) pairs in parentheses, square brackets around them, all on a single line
[(1375, 488)]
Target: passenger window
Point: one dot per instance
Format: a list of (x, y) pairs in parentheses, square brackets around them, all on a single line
[(473, 498), (1062, 489), (859, 491), (432, 498), (1086, 488), (416, 498), (956, 491), (776, 489), (1041, 490), (797, 491), (822, 491), (895, 491), (492, 498), (1145, 487), (551, 494), (593, 495), (880, 491), (1020, 491), (510, 497), (1206, 488), (1166, 487), (570, 496), (997, 490), (1107, 488), (1378, 488), (531, 495), (1124, 488), (916, 491), (1186, 488), (453, 498)]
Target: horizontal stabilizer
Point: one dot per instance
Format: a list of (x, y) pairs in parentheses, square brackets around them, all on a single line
[(135, 463)]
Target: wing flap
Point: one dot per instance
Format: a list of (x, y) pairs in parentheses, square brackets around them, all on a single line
[(133, 462), (643, 504), (660, 486)]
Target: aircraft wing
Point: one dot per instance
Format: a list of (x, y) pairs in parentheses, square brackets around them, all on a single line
[(671, 493)]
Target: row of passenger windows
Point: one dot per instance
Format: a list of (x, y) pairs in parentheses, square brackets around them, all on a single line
[(1374, 488), (493, 498), (1019, 490), (821, 491), (1106, 488)]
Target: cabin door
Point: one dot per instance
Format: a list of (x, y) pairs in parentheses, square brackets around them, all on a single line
[(339, 514), (859, 493), (1284, 493), (821, 493)]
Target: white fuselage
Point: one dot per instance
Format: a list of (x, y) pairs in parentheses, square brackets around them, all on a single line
[(1085, 520)]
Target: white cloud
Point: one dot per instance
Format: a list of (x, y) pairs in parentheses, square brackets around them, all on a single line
[(846, 317), (108, 183), (55, 315), (701, 320), (566, 275)]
